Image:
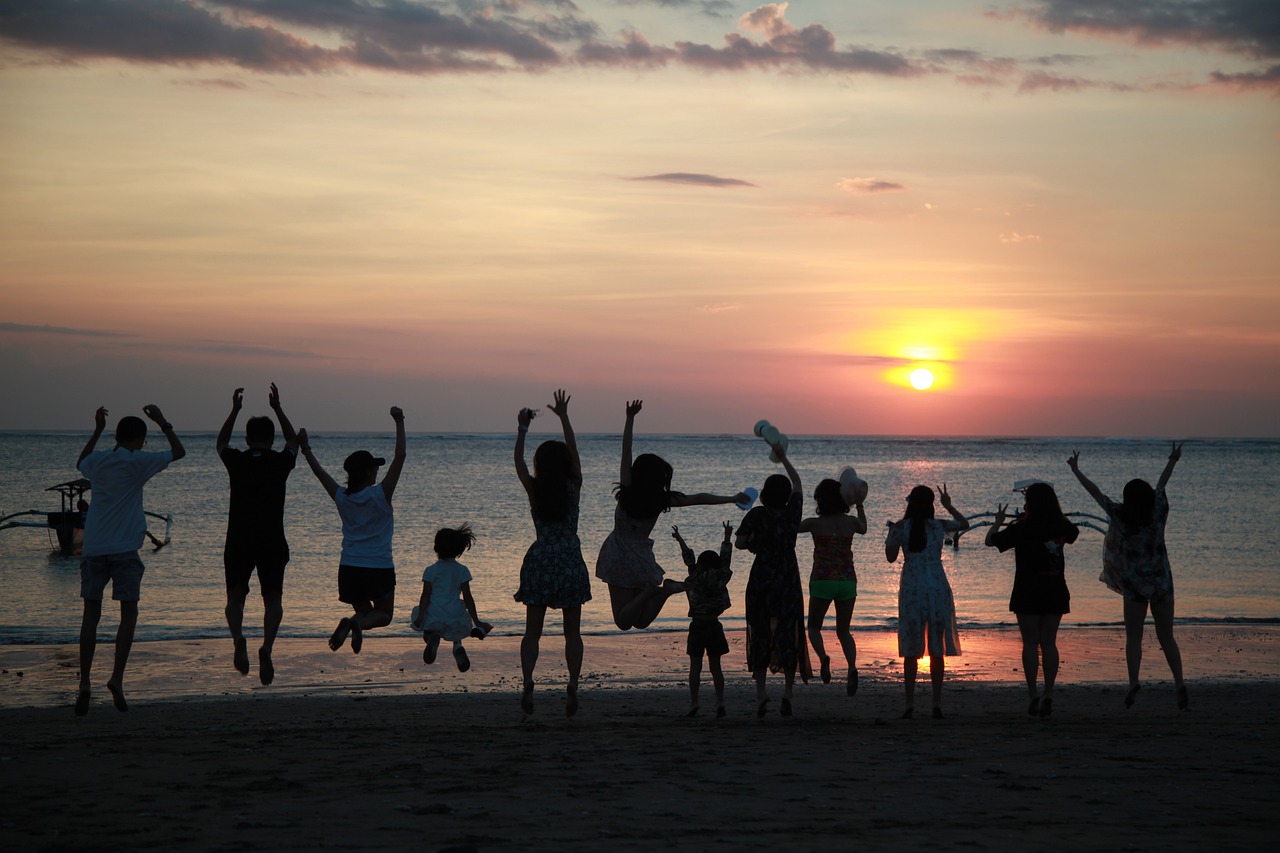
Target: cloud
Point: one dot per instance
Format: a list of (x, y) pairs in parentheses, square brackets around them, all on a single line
[(695, 179), (24, 328), (1015, 237), (869, 185), (1243, 28)]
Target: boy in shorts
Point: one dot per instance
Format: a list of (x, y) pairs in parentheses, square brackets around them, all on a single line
[(255, 525), (113, 531), (708, 589)]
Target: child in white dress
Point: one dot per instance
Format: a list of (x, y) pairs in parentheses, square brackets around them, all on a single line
[(447, 610)]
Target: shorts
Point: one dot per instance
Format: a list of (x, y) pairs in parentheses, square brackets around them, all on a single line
[(124, 570), (833, 590), (239, 564), (357, 584), (706, 635)]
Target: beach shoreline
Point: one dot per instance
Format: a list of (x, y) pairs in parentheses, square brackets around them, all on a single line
[(381, 749)]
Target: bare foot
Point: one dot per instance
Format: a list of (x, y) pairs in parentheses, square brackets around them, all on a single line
[(340, 634), (117, 696), (357, 636), (571, 702), (82, 702), (526, 699), (460, 657), (266, 669), (670, 587), (242, 656)]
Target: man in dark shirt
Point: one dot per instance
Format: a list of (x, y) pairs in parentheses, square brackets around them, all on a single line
[(255, 524)]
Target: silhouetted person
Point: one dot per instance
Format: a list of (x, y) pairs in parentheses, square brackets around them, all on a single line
[(255, 525), (1135, 563), (707, 588), (113, 532), (366, 571)]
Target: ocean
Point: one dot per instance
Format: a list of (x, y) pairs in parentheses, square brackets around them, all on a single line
[(1223, 542)]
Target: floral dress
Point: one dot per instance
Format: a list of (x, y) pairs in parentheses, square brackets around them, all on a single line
[(926, 608), (553, 573), (774, 601), (626, 557), (1135, 562)]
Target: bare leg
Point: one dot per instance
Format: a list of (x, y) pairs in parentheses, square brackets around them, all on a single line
[(1049, 649), (844, 615), (572, 655), (909, 667), (272, 614), (1029, 627), (717, 678), (88, 646), (1162, 615), (937, 669), (695, 680), (637, 608), (235, 622), (817, 613), (534, 617), (124, 644), (762, 698), (1135, 615)]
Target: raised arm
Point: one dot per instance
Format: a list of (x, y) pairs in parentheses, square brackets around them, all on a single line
[(860, 524), (304, 444), (99, 424), (633, 409), (397, 458), (707, 499), (945, 500), (996, 521), (561, 410), (152, 411), (224, 435), (522, 469), (796, 488), (286, 428), (1175, 453), (1073, 462), (686, 553)]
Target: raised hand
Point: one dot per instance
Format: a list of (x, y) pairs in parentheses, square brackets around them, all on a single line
[(273, 396), (1175, 451), (302, 439), (1001, 509), (728, 531), (943, 497), (100, 418), (675, 533), (152, 411), (237, 399), (1073, 461), (634, 407), (560, 408), (397, 413)]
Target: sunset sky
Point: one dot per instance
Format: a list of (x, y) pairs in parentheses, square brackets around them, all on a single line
[(1068, 210)]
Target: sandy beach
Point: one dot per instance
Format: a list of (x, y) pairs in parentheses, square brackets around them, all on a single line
[(378, 749)]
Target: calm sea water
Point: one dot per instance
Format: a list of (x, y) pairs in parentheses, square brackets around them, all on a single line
[(1222, 538)]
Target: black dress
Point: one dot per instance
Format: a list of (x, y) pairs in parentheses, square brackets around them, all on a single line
[(774, 601), (1039, 579)]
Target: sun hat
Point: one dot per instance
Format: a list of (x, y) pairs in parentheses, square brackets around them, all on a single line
[(852, 487)]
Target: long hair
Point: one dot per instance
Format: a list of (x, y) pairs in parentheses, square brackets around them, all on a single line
[(1042, 505), (919, 510), (551, 471), (649, 493), (1139, 507), (828, 498)]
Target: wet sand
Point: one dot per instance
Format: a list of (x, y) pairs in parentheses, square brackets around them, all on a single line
[(379, 749)]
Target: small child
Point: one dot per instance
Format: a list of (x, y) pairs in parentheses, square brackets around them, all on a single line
[(708, 589), (446, 609)]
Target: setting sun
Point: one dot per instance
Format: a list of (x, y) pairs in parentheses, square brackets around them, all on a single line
[(921, 378)]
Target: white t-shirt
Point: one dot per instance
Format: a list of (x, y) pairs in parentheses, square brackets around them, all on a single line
[(367, 527), (116, 523)]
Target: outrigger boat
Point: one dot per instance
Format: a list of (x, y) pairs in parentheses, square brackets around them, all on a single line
[(68, 523), (1081, 519)]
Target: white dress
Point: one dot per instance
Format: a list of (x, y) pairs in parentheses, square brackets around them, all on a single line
[(926, 608), (446, 614)]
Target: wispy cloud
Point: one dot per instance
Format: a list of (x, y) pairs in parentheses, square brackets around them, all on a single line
[(695, 179), (1015, 237), (24, 328), (870, 185)]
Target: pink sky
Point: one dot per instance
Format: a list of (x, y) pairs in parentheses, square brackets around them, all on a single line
[(1067, 210)]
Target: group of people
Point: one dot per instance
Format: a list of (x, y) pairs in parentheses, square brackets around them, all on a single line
[(554, 575)]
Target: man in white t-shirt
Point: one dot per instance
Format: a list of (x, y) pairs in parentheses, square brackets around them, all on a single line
[(113, 532)]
